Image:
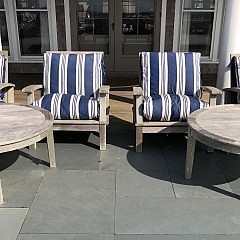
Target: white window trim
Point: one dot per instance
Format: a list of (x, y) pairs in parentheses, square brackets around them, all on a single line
[(14, 45), (216, 32)]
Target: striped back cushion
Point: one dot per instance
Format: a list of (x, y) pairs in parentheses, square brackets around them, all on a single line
[(170, 73), (79, 73), (2, 73)]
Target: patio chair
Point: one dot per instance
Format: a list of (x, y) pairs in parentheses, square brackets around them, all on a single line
[(74, 92), (232, 94), (6, 89), (170, 89)]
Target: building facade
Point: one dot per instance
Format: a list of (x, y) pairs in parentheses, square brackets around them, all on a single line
[(120, 28)]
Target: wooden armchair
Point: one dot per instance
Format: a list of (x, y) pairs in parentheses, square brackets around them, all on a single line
[(170, 89), (6, 89), (232, 94), (74, 92)]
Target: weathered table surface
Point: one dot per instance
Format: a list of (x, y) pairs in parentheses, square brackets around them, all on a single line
[(217, 127), (23, 126)]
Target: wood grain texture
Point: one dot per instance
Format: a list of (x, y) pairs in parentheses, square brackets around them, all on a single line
[(217, 127)]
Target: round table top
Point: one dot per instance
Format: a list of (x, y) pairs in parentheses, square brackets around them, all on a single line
[(218, 125), (18, 122)]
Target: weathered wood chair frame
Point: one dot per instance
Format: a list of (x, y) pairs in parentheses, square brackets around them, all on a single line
[(98, 126), (143, 126), (6, 87)]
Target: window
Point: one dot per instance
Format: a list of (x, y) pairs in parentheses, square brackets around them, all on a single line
[(3, 27), (137, 26), (31, 28), (199, 28)]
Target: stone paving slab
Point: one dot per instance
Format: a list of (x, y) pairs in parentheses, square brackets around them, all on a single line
[(178, 237), (73, 201), (147, 183), (20, 187), (177, 216), (11, 220), (65, 237)]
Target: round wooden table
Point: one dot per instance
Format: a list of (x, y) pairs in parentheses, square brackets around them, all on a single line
[(217, 127), (22, 126)]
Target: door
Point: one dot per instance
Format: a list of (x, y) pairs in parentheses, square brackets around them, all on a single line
[(120, 28)]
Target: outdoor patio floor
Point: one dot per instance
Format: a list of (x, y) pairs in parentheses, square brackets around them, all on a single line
[(119, 194)]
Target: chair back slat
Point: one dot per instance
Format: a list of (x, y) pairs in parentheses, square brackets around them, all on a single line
[(170, 73), (80, 73)]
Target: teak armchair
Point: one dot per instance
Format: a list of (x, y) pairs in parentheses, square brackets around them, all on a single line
[(170, 89), (232, 94), (74, 92)]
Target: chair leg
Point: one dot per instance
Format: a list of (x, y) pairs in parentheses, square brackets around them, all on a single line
[(1, 194), (139, 139), (103, 137), (33, 146)]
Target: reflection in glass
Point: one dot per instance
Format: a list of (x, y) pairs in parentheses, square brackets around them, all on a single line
[(93, 25), (137, 26), (28, 4), (199, 4), (1, 4), (196, 33), (33, 32), (4, 32)]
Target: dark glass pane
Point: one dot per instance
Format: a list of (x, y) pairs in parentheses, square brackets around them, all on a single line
[(93, 25), (137, 26), (33, 32), (130, 26), (196, 33), (1, 4), (145, 26), (35, 4), (4, 32), (199, 4)]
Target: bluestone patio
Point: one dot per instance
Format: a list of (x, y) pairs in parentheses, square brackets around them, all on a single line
[(118, 193)]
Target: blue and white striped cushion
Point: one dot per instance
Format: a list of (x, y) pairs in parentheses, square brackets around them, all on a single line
[(170, 107), (170, 73), (68, 106), (2, 73), (80, 74)]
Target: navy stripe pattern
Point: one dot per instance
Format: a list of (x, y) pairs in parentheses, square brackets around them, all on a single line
[(2, 73), (170, 73), (81, 74), (170, 107), (69, 106)]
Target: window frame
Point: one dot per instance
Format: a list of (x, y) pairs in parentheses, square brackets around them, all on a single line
[(13, 33), (216, 30)]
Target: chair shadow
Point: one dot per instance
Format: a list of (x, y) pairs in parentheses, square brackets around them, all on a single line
[(120, 98), (156, 145)]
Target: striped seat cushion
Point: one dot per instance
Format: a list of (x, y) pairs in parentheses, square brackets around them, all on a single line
[(170, 107), (2, 73), (170, 73), (68, 106), (81, 73)]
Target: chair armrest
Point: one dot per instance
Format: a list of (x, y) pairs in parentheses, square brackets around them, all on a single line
[(213, 93), (8, 88), (232, 89), (137, 91), (137, 106), (227, 94), (212, 90), (30, 90), (104, 105), (104, 89)]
